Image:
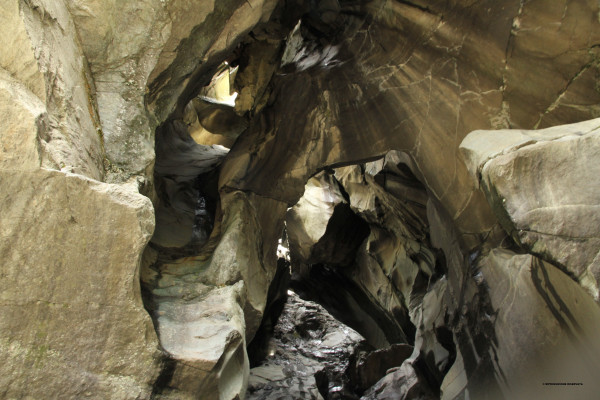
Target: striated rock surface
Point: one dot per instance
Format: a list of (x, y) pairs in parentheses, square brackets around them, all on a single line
[(349, 118), (72, 323), (542, 326), (449, 69), (544, 186)]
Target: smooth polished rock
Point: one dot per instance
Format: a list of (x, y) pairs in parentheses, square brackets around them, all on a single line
[(206, 307), (179, 169), (321, 227), (307, 220), (201, 329), (542, 330), (544, 187)]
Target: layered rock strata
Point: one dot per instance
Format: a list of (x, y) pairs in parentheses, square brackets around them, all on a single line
[(457, 264)]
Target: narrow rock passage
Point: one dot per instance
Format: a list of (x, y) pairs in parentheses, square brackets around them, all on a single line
[(308, 356)]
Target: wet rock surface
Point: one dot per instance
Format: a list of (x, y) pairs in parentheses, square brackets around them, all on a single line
[(373, 366), (402, 383), (308, 356)]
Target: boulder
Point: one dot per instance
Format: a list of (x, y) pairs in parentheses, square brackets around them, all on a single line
[(544, 187), (73, 324), (540, 329)]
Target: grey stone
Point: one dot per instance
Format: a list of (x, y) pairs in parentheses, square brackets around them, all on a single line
[(73, 324), (544, 187), (306, 342), (544, 328)]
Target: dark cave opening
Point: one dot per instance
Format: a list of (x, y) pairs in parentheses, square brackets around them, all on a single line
[(366, 271), (328, 274)]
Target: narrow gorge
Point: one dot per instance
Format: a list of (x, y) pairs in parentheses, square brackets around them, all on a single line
[(300, 199)]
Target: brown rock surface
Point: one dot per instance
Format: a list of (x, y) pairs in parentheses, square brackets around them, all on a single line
[(383, 92), (72, 323)]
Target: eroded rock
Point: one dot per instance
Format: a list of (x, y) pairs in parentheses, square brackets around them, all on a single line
[(180, 173), (49, 79), (374, 365), (401, 383), (86, 332), (351, 82), (309, 355), (540, 326), (543, 185)]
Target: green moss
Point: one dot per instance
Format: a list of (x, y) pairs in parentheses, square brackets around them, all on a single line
[(38, 355)]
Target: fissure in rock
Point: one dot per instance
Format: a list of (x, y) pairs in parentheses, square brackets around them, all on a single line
[(292, 198)]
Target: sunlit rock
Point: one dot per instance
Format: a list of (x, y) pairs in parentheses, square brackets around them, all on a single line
[(410, 240), (544, 186)]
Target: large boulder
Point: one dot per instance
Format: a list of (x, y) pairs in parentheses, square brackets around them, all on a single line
[(541, 332), (73, 324), (545, 188)]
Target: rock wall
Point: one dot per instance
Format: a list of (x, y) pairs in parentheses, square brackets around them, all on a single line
[(73, 322), (85, 86), (74, 80), (552, 206)]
